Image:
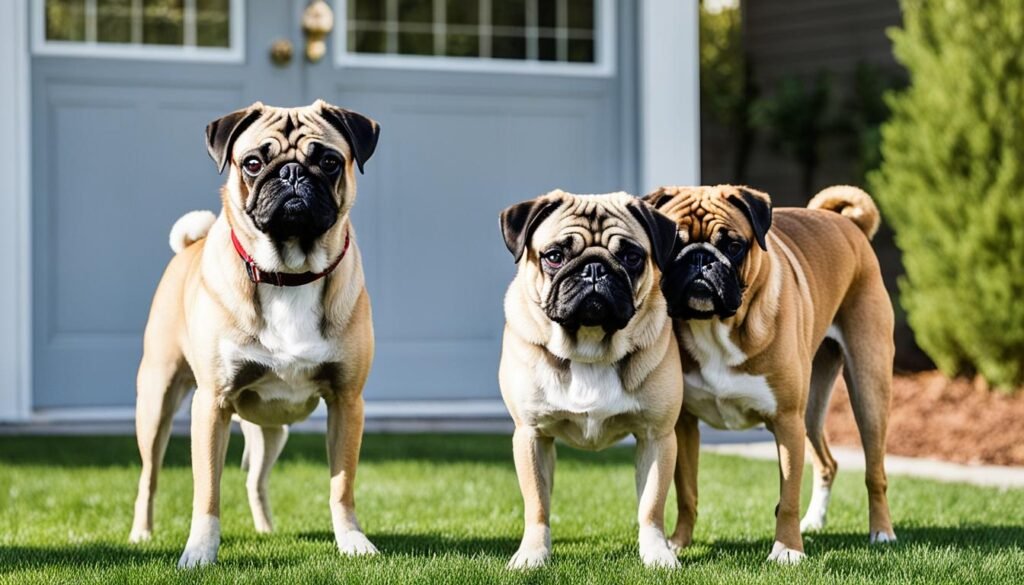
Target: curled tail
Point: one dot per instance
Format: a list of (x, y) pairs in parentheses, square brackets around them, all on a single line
[(190, 228), (851, 202)]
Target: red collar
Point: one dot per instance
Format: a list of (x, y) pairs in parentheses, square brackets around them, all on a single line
[(256, 275)]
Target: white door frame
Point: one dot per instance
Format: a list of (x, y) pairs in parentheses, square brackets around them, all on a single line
[(15, 215), (669, 154)]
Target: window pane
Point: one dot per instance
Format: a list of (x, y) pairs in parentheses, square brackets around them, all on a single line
[(508, 13), (462, 46), (415, 11), (212, 19), (369, 10), (163, 22), (65, 20), (114, 21), (547, 13), (547, 49), (505, 47), (416, 43), (463, 11), (367, 41), (581, 14), (581, 50)]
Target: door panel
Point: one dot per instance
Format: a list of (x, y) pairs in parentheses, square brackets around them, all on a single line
[(118, 155)]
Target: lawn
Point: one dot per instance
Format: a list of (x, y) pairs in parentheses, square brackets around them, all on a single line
[(446, 509)]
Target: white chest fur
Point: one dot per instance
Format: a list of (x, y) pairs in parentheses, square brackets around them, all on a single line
[(290, 345), (579, 411), (716, 391)]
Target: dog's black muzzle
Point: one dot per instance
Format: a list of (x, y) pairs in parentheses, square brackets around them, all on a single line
[(293, 203), (700, 285), (592, 290)]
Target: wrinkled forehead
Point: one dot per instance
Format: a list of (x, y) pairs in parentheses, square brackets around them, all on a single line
[(290, 131), (592, 220), (703, 215)]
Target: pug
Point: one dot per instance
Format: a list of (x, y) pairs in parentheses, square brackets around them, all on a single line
[(588, 353), (769, 305), (263, 310)]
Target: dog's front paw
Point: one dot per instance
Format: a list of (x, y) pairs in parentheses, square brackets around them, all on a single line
[(354, 544), (680, 540), (529, 557), (139, 535), (196, 557), (882, 537), (655, 550), (203, 542), (784, 555)]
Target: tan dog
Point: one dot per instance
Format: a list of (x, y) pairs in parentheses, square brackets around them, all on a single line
[(263, 310), (765, 319), (588, 354)]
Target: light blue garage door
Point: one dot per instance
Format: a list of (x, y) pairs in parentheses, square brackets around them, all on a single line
[(482, 103)]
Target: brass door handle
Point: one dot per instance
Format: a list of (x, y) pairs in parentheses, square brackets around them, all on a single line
[(281, 52), (317, 23)]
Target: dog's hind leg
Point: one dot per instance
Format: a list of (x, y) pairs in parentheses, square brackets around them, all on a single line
[(163, 381), (263, 445), (824, 371), (867, 341)]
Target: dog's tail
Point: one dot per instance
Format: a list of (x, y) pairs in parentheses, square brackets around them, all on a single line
[(851, 202), (190, 228)]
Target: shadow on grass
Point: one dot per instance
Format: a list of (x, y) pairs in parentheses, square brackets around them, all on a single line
[(15, 558), (121, 451), (979, 538), (430, 545)]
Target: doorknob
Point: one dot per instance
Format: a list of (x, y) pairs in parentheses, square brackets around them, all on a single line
[(281, 52), (317, 23)]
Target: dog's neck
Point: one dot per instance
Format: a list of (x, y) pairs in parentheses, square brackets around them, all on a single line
[(290, 256)]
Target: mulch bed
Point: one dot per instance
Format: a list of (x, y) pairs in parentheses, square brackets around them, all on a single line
[(938, 418)]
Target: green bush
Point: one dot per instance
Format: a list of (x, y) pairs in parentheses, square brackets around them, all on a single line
[(952, 183)]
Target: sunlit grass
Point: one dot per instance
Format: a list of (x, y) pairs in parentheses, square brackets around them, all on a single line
[(446, 509)]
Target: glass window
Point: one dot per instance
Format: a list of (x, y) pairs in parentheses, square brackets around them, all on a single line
[(198, 23), (522, 30)]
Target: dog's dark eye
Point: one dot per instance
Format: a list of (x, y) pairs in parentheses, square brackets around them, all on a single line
[(633, 259), (734, 248), (330, 164), (252, 165), (553, 258)]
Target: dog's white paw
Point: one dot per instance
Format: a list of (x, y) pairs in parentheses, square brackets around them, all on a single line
[(784, 555), (354, 543), (203, 542), (812, 523), (139, 535), (661, 556), (882, 537), (529, 557), (814, 519), (655, 550)]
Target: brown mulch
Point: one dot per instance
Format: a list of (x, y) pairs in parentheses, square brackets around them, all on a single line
[(938, 418)]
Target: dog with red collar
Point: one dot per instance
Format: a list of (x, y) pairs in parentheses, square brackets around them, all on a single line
[(263, 310)]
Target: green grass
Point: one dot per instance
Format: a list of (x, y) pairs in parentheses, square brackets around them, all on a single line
[(446, 509)]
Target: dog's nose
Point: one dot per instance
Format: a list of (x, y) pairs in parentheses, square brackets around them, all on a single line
[(291, 173), (701, 258), (594, 271)]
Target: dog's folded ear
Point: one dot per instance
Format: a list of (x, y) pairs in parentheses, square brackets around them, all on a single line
[(360, 132), (222, 133), (661, 231), (659, 197), (519, 221), (757, 206)]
